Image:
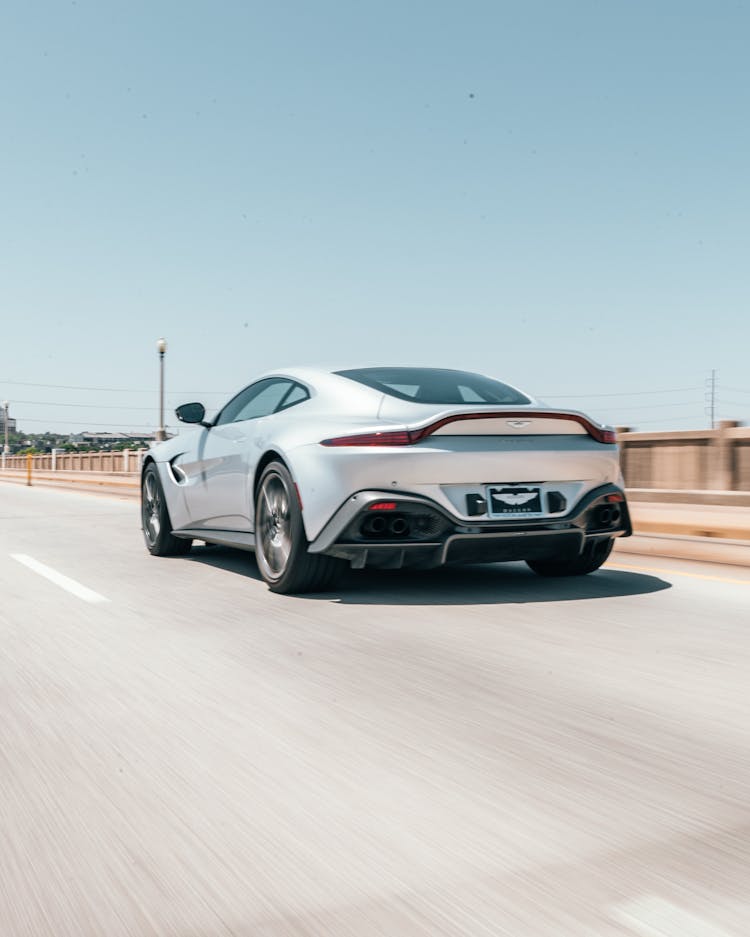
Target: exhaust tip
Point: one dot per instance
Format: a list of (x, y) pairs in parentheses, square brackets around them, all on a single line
[(374, 526), (398, 526)]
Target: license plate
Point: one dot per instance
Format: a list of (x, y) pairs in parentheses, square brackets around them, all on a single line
[(513, 501)]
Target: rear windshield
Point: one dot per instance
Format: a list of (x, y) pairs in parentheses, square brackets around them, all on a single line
[(435, 385)]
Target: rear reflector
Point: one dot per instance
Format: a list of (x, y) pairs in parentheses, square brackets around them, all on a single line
[(383, 506), (615, 499), (407, 437)]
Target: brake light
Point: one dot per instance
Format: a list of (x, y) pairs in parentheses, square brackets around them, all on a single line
[(398, 438), (383, 506), (407, 437)]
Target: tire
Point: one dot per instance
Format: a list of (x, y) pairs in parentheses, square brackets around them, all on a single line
[(592, 557), (155, 522), (280, 542)]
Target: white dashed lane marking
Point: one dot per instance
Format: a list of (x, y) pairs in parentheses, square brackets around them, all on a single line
[(64, 582)]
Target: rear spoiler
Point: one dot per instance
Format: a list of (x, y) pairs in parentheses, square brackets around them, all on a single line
[(410, 437)]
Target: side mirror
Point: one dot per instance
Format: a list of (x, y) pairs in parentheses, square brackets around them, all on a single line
[(191, 413)]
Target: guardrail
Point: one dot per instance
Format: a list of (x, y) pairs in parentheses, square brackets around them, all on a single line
[(126, 461)]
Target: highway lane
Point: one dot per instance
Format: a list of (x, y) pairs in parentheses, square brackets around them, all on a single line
[(463, 752)]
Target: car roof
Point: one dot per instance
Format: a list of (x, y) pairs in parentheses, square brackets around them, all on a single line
[(311, 373)]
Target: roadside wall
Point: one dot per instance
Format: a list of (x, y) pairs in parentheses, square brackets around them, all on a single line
[(695, 460), (129, 460)]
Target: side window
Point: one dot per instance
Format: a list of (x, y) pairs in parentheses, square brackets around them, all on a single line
[(255, 401), (296, 395)]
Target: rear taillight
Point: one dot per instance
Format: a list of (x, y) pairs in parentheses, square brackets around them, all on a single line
[(410, 437), (398, 438), (383, 506)]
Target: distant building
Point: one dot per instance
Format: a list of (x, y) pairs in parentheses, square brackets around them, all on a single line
[(11, 423), (111, 439)]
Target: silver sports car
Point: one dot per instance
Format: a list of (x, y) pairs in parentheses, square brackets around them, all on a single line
[(386, 467)]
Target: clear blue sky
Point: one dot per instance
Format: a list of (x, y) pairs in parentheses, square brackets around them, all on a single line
[(557, 194)]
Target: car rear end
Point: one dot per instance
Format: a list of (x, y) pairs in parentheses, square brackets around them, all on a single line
[(468, 484)]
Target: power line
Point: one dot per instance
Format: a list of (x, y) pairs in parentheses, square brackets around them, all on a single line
[(79, 423), (141, 390), (96, 406), (651, 406), (627, 393), (118, 390), (113, 390), (86, 406)]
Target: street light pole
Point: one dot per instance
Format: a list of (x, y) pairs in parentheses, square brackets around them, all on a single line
[(6, 450), (161, 347)]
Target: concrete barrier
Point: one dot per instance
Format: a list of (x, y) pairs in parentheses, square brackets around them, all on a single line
[(120, 483), (698, 549), (691, 520), (696, 460)]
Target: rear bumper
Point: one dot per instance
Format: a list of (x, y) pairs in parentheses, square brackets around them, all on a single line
[(443, 539)]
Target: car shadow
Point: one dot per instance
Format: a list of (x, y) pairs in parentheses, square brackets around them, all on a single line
[(489, 584)]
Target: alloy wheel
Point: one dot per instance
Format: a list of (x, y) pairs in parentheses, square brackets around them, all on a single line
[(274, 524), (151, 510)]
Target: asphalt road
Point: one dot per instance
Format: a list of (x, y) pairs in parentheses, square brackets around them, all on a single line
[(463, 752)]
